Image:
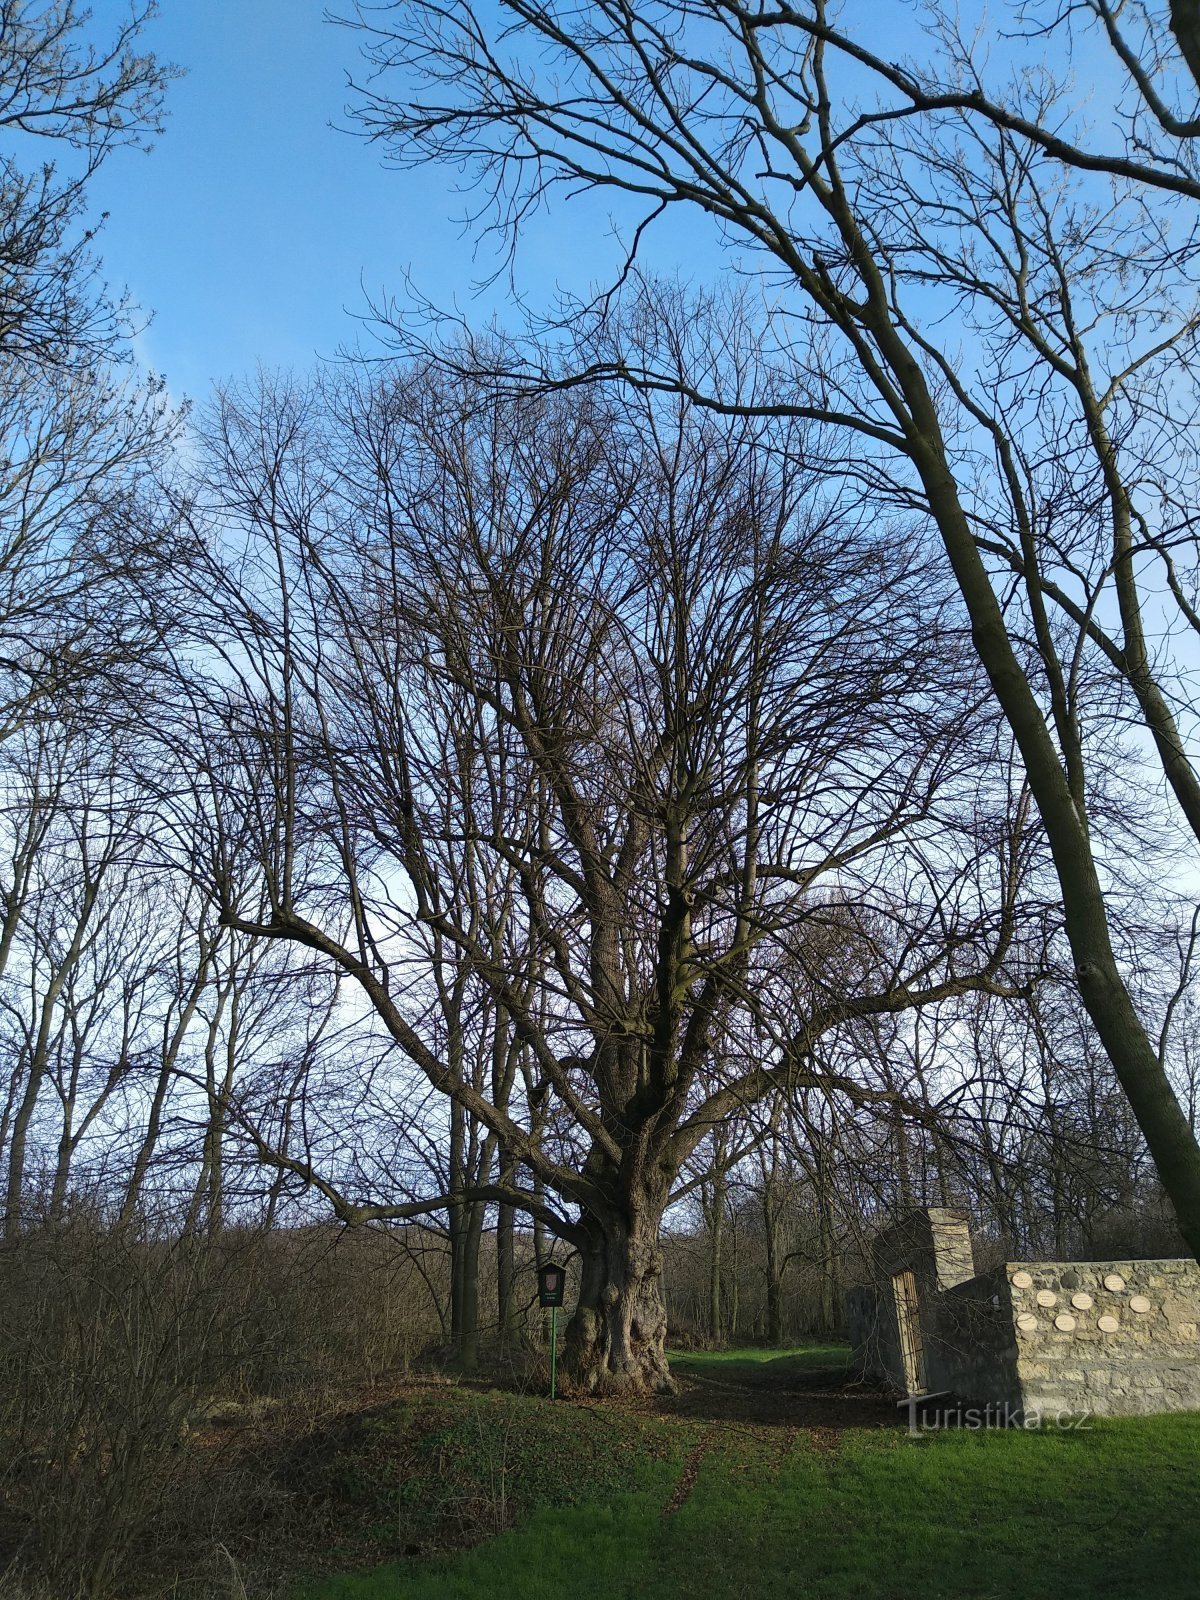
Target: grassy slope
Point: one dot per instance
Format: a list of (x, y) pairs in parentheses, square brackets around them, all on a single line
[(1113, 1511)]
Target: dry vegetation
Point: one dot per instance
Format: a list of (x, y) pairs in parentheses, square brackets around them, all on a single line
[(146, 1383)]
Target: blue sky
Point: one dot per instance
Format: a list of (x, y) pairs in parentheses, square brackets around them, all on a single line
[(255, 229), (251, 228)]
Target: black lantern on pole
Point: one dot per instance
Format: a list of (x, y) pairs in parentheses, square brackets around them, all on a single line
[(552, 1285)]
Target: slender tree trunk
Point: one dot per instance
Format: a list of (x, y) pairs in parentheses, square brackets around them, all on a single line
[(827, 1247), (774, 1327), (141, 1165), (507, 1320), (39, 1066), (62, 1166), (172, 1044), (1061, 1247), (903, 1163), (506, 1055), (457, 1221), (715, 1218), (479, 1165), (15, 1193), (715, 1331), (774, 1268), (10, 1102), (735, 1299), (468, 1327)]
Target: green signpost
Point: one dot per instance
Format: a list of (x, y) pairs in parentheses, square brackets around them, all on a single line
[(552, 1285)]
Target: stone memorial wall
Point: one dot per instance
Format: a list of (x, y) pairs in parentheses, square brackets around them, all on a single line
[(1108, 1337), (1037, 1338)]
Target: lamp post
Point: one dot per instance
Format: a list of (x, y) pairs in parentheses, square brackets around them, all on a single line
[(552, 1285)]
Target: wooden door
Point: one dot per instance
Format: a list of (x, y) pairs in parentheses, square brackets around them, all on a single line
[(908, 1319)]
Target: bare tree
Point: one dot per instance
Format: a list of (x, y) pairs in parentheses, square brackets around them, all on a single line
[(59, 992), (84, 99), (757, 115), (77, 437), (78, 447), (606, 708)]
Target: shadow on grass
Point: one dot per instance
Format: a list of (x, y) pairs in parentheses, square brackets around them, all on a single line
[(812, 1386)]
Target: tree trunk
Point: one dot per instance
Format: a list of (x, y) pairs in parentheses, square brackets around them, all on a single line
[(507, 1319), (774, 1328), (735, 1283), (827, 1248), (456, 1217), (468, 1328), (62, 1167), (715, 1217), (172, 1045), (616, 1339), (14, 1200), (774, 1268), (714, 1275), (903, 1163)]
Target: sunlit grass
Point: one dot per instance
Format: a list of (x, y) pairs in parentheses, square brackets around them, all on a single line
[(801, 1358), (1113, 1510)]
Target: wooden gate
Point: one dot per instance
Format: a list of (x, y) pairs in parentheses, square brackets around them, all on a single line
[(908, 1319)]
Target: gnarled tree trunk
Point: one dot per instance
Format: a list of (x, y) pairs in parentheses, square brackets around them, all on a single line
[(616, 1339)]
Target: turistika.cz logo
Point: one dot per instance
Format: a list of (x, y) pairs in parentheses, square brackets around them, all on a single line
[(993, 1415)]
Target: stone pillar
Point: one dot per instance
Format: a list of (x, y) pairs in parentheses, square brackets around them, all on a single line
[(951, 1238), (934, 1242)]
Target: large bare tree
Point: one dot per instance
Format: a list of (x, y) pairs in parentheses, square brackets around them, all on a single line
[(584, 720)]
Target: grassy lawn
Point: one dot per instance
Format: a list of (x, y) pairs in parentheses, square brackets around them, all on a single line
[(609, 1503), (757, 1364)]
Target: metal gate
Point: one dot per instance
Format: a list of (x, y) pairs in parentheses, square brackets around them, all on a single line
[(912, 1348)]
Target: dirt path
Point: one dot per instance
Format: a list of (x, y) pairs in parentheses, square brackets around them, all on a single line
[(779, 1395)]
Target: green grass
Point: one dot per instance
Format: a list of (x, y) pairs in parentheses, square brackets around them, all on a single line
[(763, 1364), (1112, 1511)]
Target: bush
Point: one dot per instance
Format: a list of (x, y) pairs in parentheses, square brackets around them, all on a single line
[(118, 1345)]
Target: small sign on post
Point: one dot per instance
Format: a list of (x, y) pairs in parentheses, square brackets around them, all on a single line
[(552, 1286)]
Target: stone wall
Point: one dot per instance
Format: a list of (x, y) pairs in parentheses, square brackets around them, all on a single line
[(874, 1335), (1108, 1338), (1111, 1338), (971, 1350), (935, 1246)]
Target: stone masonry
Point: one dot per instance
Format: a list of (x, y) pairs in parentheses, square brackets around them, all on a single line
[(1108, 1338)]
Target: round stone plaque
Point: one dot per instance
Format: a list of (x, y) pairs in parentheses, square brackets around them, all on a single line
[(1047, 1297), (1082, 1301), (1108, 1324), (1139, 1303), (1027, 1322), (1115, 1282), (1022, 1280), (1064, 1321)]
